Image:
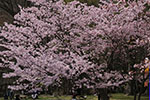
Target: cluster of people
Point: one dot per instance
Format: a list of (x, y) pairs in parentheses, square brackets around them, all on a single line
[(78, 93), (9, 95)]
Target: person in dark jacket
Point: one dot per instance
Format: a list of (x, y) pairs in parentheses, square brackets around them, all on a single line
[(5, 96), (17, 97), (74, 97)]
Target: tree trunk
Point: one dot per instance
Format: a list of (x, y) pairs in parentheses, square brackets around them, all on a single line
[(131, 88), (103, 95), (135, 96), (142, 90), (99, 97), (139, 96)]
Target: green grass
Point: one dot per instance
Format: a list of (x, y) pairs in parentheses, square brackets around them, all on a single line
[(43, 97), (120, 96), (117, 96)]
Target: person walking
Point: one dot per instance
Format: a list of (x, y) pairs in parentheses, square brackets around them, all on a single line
[(34, 95), (11, 94), (5, 96), (74, 97), (17, 97)]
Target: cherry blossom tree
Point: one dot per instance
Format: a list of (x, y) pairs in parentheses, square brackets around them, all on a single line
[(53, 40)]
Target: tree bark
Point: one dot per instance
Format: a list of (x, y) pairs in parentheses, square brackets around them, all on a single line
[(99, 97), (135, 96), (139, 96), (131, 88), (103, 95)]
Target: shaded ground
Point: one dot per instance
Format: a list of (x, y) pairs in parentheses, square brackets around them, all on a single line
[(113, 97)]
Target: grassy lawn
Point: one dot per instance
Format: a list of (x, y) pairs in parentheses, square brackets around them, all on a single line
[(125, 97), (113, 97)]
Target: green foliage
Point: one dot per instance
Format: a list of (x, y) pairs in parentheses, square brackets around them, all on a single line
[(92, 24), (147, 7)]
